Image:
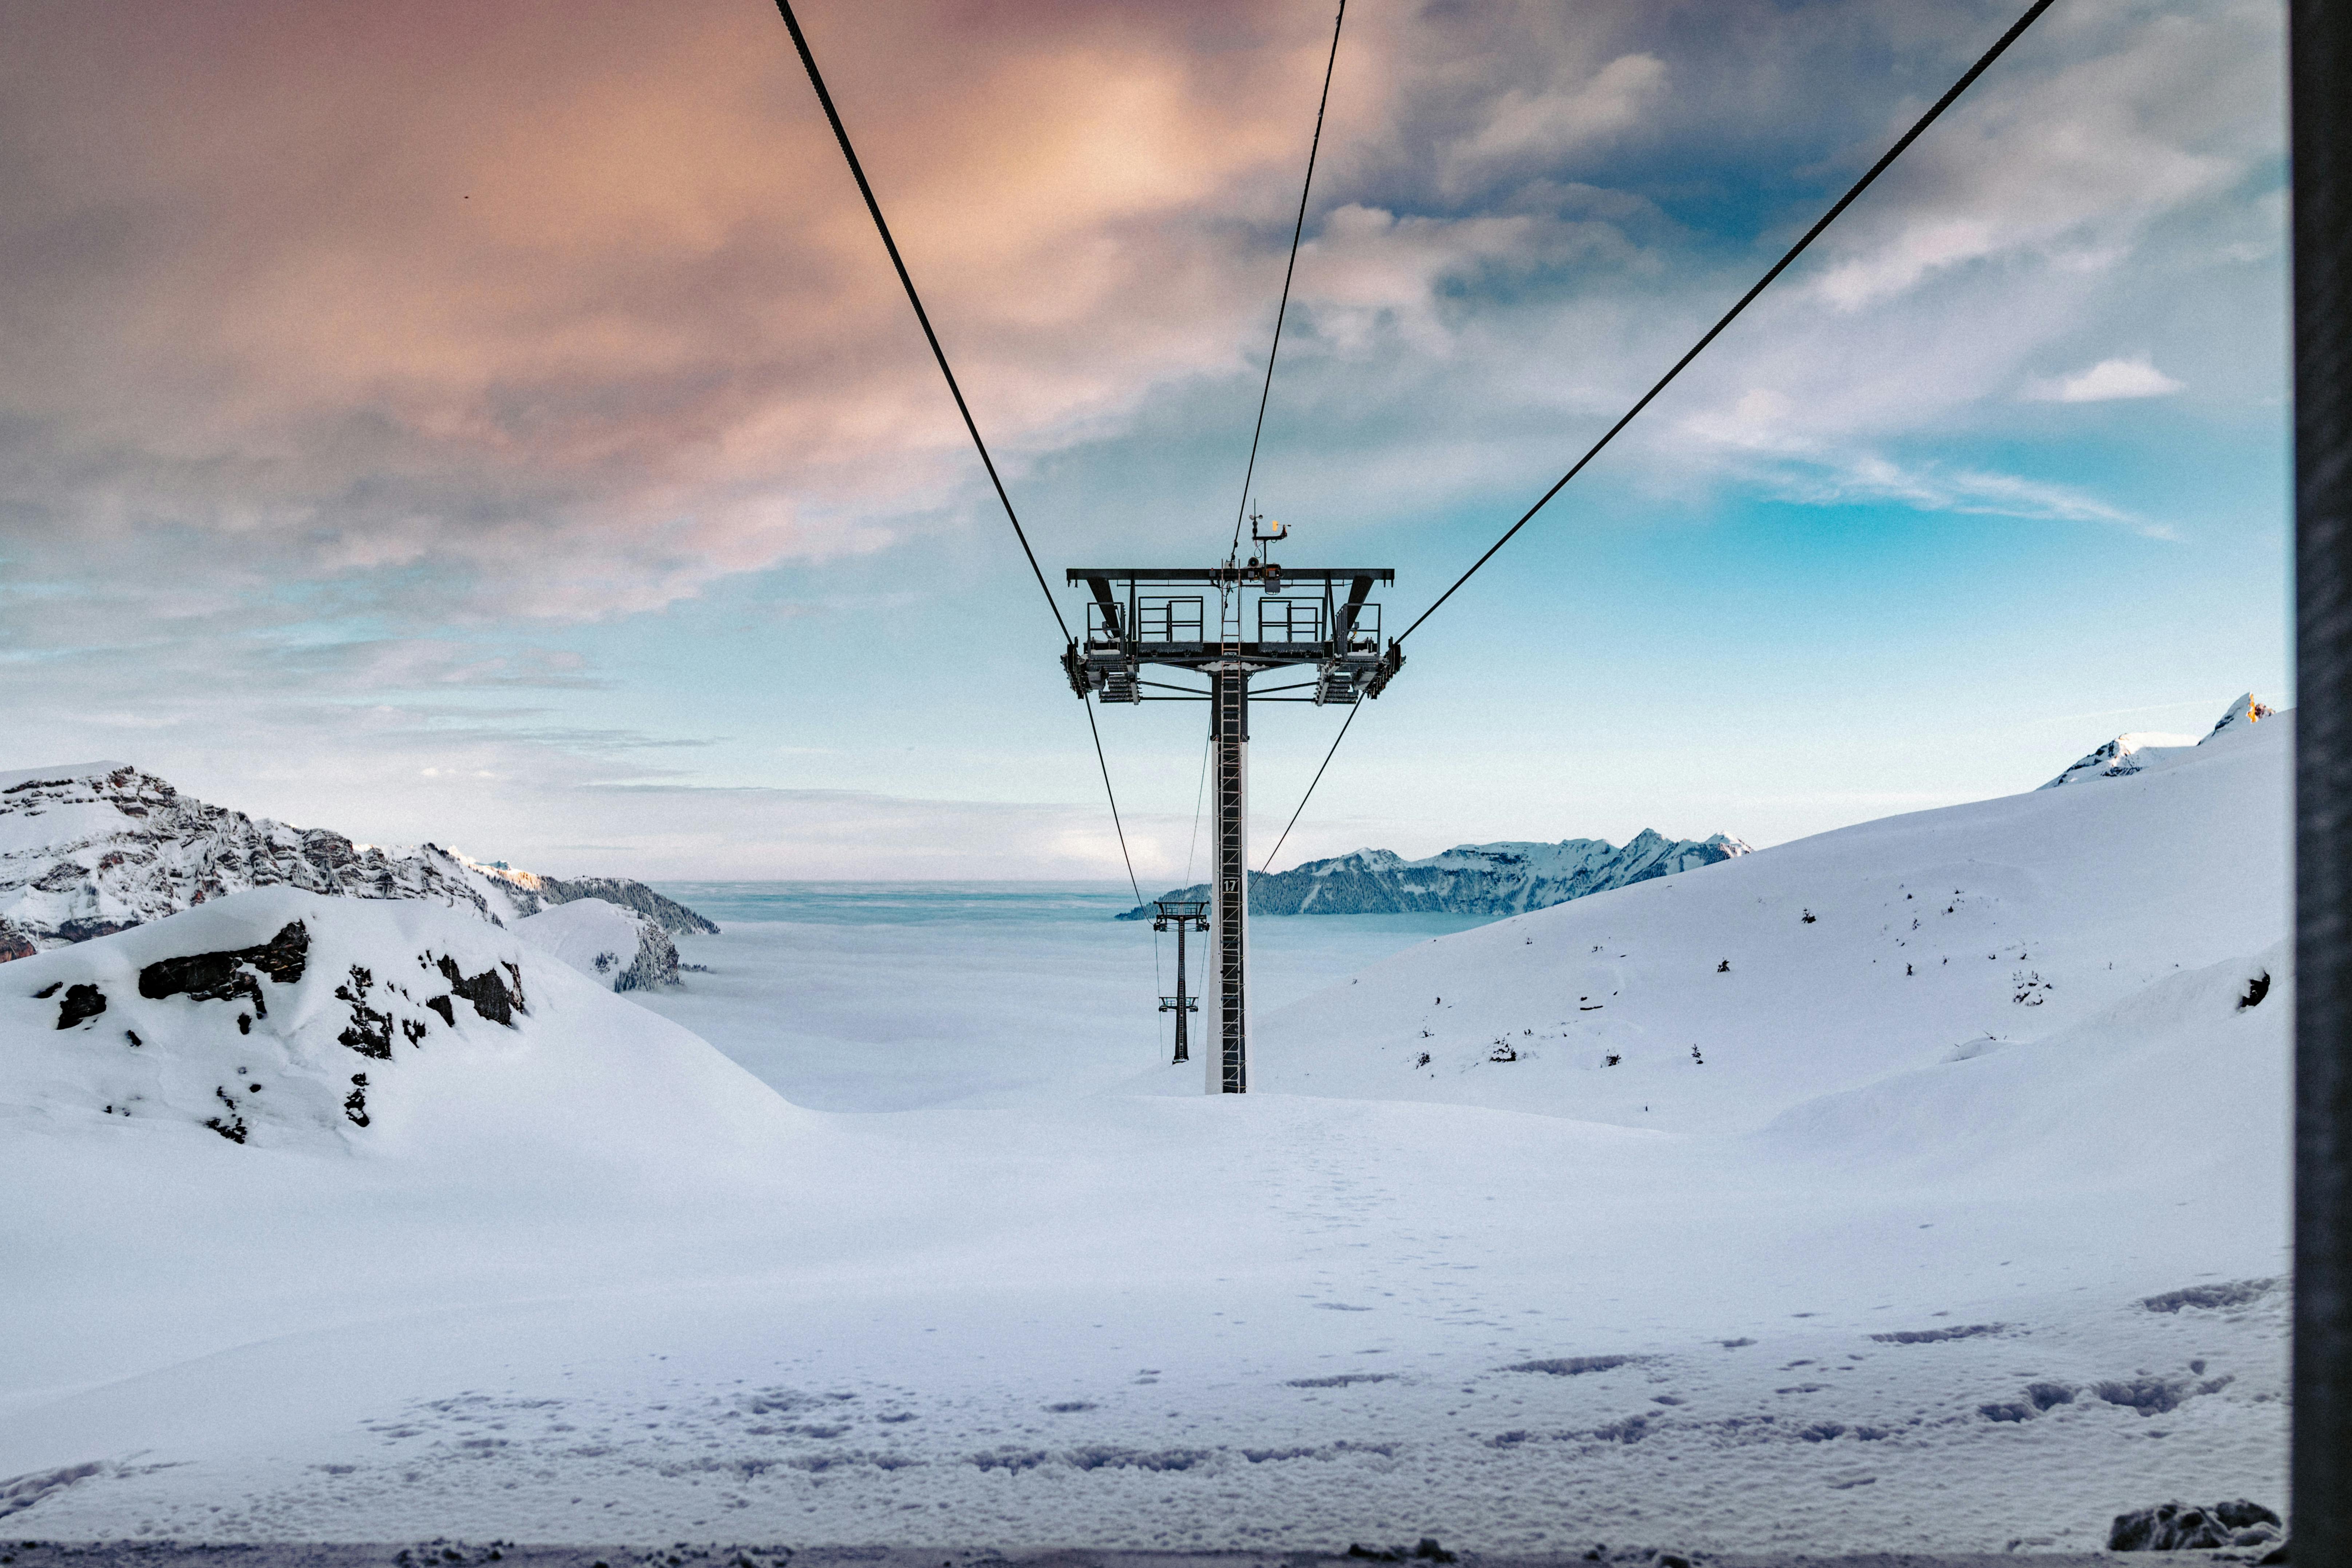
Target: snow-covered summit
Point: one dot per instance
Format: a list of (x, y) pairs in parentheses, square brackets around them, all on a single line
[(91, 848), (2138, 751), (1502, 878)]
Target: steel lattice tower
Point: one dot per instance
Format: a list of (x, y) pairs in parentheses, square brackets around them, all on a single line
[(1140, 615)]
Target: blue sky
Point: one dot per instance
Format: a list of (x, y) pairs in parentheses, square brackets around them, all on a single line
[(621, 525)]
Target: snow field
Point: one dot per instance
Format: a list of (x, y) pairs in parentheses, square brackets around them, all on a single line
[(1875, 1275)]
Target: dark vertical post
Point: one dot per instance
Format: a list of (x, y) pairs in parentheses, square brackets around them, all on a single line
[(1183, 1000), (1229, 740), (2320, 68)]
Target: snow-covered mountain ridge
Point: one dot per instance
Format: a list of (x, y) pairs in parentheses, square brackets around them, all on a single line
[(526, 893), (90, 849), (1922, 943), (2136, 751), (1504, 879)]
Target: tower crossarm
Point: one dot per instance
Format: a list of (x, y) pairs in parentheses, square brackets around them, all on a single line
[(1293, 615)]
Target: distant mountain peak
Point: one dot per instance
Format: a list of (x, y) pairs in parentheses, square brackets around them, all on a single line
[(1501, 878), (88, 849), (2244, 713), (2138, 751)]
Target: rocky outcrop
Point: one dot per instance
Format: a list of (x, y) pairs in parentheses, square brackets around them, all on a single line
[(528, 893), (86, 851), (1471, 879), (89, 851)]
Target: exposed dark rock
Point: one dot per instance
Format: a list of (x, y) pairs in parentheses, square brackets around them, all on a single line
[(1573, 1365), (15, 943), (2256, 989), (223, 976), (84, 929), (2148, 1396), (232, 1126), (45, 991), (356, 1102), (2176, 1527), (369, 1031), (1934, 1336), (81, 1002), (490, 994)]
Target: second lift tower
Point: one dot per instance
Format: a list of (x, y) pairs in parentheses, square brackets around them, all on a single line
[(1266, 617)]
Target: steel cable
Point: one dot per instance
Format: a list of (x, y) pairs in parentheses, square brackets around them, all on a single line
[(857, 171), (874, 207), (1357, 708), (1283, 309), (1779, 267)]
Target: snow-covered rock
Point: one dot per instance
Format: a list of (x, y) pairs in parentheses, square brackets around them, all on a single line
[(519, 894), (93, 849), (1505, 878), (99, 847), (279, 1018), (2136, 751), (620, 948)]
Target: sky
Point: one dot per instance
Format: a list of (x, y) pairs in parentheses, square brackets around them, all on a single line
[(500, 426)]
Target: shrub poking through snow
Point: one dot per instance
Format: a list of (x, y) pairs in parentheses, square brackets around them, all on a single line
[(1573, 1365), (1937, 1336), (2235, 1293), (2175, 1527)]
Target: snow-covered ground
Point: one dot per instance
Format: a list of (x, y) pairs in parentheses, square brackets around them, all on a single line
[(1891, 1262)]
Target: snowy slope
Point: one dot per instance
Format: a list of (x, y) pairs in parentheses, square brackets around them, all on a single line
[(1470, 878), (1827, 963), (619, 948), (1972, 1258)]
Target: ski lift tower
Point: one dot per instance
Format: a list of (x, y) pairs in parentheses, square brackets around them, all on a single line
[(1181, 915), (1267, 617)]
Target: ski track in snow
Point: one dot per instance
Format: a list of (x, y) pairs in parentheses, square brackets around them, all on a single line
[(1875, 1275)]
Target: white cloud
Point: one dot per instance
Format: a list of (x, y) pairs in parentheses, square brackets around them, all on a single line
[(2104, 381), (1541, 127)]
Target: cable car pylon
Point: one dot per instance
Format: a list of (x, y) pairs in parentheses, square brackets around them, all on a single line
[(1268, 618), (1181, 915)]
